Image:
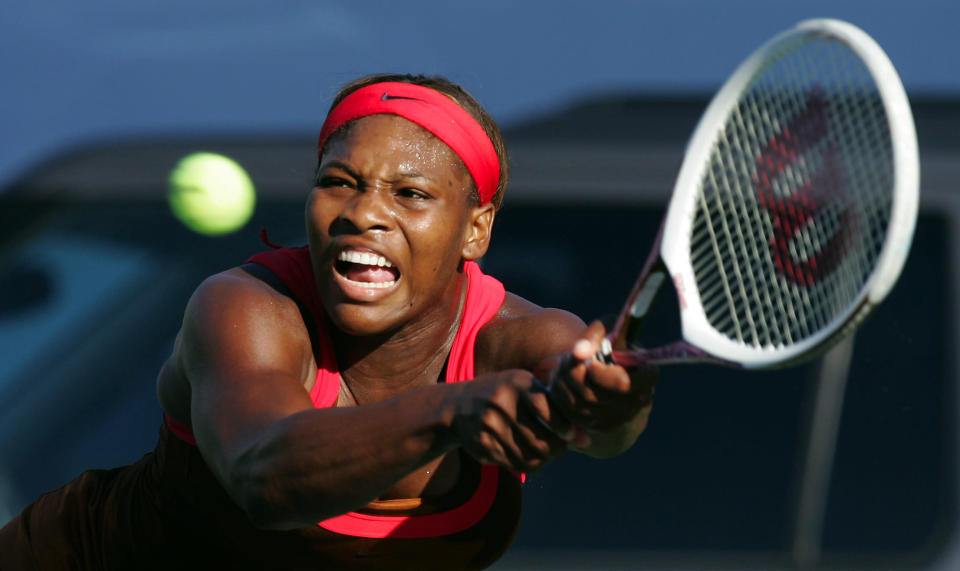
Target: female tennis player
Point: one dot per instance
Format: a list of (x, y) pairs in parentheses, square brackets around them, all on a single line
[(371, 399)]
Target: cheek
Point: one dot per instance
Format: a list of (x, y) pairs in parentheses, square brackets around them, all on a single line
[(317, 215), (438, 243)]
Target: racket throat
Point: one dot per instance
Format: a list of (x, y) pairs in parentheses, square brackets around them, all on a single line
[(627, 329), (641, 305), (678, 352)]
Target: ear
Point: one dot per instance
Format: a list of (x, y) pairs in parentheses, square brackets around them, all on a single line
[(478, 231)]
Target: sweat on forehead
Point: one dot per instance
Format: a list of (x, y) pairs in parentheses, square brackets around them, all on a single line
[(434, 112), (395, 141)]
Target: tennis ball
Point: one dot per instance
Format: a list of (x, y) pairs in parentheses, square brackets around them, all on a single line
[(211, 194)]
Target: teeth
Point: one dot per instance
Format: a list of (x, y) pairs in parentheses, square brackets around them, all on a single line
[(364, 258), (372, 285)]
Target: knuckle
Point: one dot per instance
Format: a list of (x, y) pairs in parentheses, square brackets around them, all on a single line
[(543, 450), (503, 395), (490, 419), (486, 440), (522, 379), (540, 402)]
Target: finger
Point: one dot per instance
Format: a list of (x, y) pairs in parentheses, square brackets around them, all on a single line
[(526, 444), (585, 349), (514, 419), (482, 429), (595, 332), (608, 379), (499, 442), (570, 369), (589, 343), (537, 445), (485, 448), (574, 401), (491, 451), (556, 428), (641, 382)]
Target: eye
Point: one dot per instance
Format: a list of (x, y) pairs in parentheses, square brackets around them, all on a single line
[(332, 181), (413, 193)]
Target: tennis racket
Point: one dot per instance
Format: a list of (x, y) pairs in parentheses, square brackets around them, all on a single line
[(793, 210)]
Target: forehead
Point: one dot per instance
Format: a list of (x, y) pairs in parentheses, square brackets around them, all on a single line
[(391, 138)]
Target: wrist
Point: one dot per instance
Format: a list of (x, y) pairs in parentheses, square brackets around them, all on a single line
[(449, 414)]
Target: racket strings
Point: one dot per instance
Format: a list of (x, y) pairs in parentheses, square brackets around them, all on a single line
[(793, 209)]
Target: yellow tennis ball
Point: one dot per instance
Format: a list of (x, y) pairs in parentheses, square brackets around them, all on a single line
[(211, 194)]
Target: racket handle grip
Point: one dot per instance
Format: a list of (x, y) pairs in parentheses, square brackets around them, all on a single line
[(605, 353)]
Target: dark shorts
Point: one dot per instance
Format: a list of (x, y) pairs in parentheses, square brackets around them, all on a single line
[(63, 529)]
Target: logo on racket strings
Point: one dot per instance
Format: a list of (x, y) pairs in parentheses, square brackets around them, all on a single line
[(800, 211)]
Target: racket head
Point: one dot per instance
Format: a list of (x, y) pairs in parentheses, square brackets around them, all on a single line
[(795, 204)]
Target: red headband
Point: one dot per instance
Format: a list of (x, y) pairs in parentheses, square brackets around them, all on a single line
[(434, 112)]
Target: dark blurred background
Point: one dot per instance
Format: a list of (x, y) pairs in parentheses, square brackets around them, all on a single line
[(102, 99)]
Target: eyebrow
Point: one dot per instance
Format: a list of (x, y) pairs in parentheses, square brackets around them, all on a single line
[(338, 165)]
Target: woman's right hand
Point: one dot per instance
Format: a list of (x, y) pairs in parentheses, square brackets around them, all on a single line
[(505, 419)]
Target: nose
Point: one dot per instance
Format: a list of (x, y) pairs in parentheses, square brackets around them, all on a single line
[(366, 210)]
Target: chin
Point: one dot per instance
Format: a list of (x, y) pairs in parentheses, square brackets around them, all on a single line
[(360, 322)]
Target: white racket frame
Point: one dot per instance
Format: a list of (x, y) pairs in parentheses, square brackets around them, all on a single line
[(675, 245)]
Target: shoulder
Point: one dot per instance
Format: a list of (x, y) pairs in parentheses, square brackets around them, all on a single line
[(517, 312), (239, 308), (523, 333), (233, 322), (238, 291)]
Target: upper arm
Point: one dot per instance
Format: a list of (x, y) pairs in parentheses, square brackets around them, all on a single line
[(245, 352), (523, 335)]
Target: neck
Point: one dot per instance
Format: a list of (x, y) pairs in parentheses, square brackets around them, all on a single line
[(379, 367)]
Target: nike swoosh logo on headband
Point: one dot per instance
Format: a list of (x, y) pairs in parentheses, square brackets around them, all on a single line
[(387, 97)]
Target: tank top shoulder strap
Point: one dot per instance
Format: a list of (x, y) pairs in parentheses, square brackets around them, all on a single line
[(293, 267), (485, 296)]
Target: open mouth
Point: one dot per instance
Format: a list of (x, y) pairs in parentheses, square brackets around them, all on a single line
[(366, 269)]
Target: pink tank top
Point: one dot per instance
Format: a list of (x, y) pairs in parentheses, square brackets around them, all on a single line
[(485, 295)]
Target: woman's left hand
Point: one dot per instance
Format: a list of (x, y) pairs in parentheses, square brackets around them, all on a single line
[(607, 402)]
